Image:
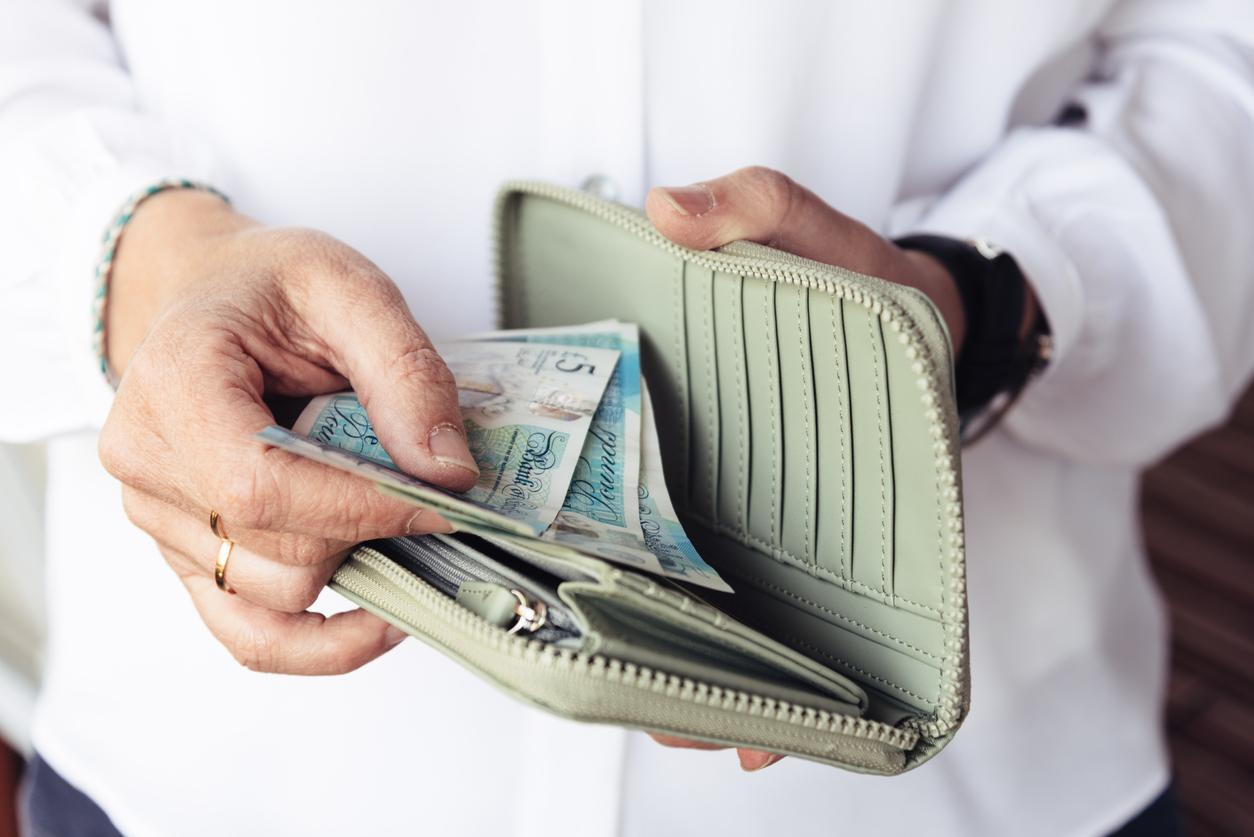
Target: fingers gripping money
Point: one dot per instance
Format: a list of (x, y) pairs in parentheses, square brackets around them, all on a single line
[(558, 421)]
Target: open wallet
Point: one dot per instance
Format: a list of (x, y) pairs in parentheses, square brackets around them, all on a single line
[(806, 421)]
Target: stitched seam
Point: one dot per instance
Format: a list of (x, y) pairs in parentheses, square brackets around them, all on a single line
[(740, 398), (791, 595), (771, 363), (940, 561), (805, 389), (858, 289), (840, 408), (678, 356), (879, 419), (779, 553), (852, 667), (706, 304)]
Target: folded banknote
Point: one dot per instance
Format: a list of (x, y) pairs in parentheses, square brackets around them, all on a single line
[(558, 422)]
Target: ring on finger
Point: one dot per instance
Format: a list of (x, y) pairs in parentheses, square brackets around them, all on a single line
[(216, 524), (224, 552)]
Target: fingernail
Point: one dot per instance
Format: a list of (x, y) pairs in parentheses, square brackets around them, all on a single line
[(448, 446), (393, 636), (689, 200), (425, 522), (772, 759)]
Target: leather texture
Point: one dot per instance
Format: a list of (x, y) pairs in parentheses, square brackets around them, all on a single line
[(808, 432), (796, 445)]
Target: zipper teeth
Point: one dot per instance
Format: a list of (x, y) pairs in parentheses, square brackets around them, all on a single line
[(800, 271), (877, 296), (411, 595), (446, 571), (449, 566)]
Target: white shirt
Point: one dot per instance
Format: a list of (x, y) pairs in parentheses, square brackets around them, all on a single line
[(389, 124)]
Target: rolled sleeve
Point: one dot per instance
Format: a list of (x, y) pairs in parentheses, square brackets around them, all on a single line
[(1133, 232), (73, 147)]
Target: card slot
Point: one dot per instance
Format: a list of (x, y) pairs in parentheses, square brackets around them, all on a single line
[(873, 514), (798, 419), (877, 667), (665, 642), (733, 403), (767, 453), (703, 417), (664, 357), (834, 518), (879, 645), (920, 521)]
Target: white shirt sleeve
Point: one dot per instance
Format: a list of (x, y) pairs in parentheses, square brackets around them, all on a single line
[(1135, 232), (73, 147)]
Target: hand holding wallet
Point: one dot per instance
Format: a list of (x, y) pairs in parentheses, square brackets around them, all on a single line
[(808, 433)]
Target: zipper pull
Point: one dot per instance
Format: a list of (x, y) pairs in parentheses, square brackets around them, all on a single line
[(501, 606), (530, 618)]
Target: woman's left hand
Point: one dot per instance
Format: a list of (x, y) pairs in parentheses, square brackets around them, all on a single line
[(764, 206)]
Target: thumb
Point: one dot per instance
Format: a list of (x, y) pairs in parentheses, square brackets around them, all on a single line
[(766, 207), (406, 388)]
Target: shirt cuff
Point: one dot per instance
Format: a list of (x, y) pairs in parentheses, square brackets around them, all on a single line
[(1098, 252)]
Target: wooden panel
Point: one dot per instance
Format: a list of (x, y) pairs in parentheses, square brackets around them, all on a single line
[(10, 775), (1198, 512)]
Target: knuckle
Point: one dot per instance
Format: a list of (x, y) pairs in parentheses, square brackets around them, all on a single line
[(775, 189), (324, 262), (108, 448), (364, 518), (299, 591), (239, 512), (302, 551), (780, 196), (254, 648), (303, 251), (117, 450), (249, 499), (134, 506), (425, 366)]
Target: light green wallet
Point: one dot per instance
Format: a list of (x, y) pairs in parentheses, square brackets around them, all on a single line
[(810, 442)]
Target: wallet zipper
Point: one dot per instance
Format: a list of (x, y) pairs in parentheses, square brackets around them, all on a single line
[(737, 257), (446, 569), (411, 600), (883, 299)]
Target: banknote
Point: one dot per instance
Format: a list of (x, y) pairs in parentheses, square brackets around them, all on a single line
[(526, 409), (339, 420), (663, 532), (455, 508), (601, 514), (645, 535)]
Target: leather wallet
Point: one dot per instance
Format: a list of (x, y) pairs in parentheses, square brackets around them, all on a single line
[(810, 443)]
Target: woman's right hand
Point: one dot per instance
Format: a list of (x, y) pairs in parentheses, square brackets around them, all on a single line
[(210, 311)]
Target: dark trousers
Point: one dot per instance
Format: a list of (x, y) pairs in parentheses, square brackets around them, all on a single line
[(52, 807)]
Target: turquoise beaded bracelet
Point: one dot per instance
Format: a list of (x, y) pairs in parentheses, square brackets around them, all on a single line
[(104, 266)]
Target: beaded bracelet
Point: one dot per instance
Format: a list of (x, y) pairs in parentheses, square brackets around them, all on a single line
[(104, 267)]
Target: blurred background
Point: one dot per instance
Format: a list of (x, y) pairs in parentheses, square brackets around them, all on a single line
[(1197, 509), (1198, 512), (22, 478)]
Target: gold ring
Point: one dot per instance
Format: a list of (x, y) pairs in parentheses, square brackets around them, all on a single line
[(224, 553), (219, 570), (214, 522)]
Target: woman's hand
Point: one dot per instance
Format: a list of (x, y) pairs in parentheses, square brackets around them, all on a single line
[(767, 207), (209, 311), (764, 206)]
